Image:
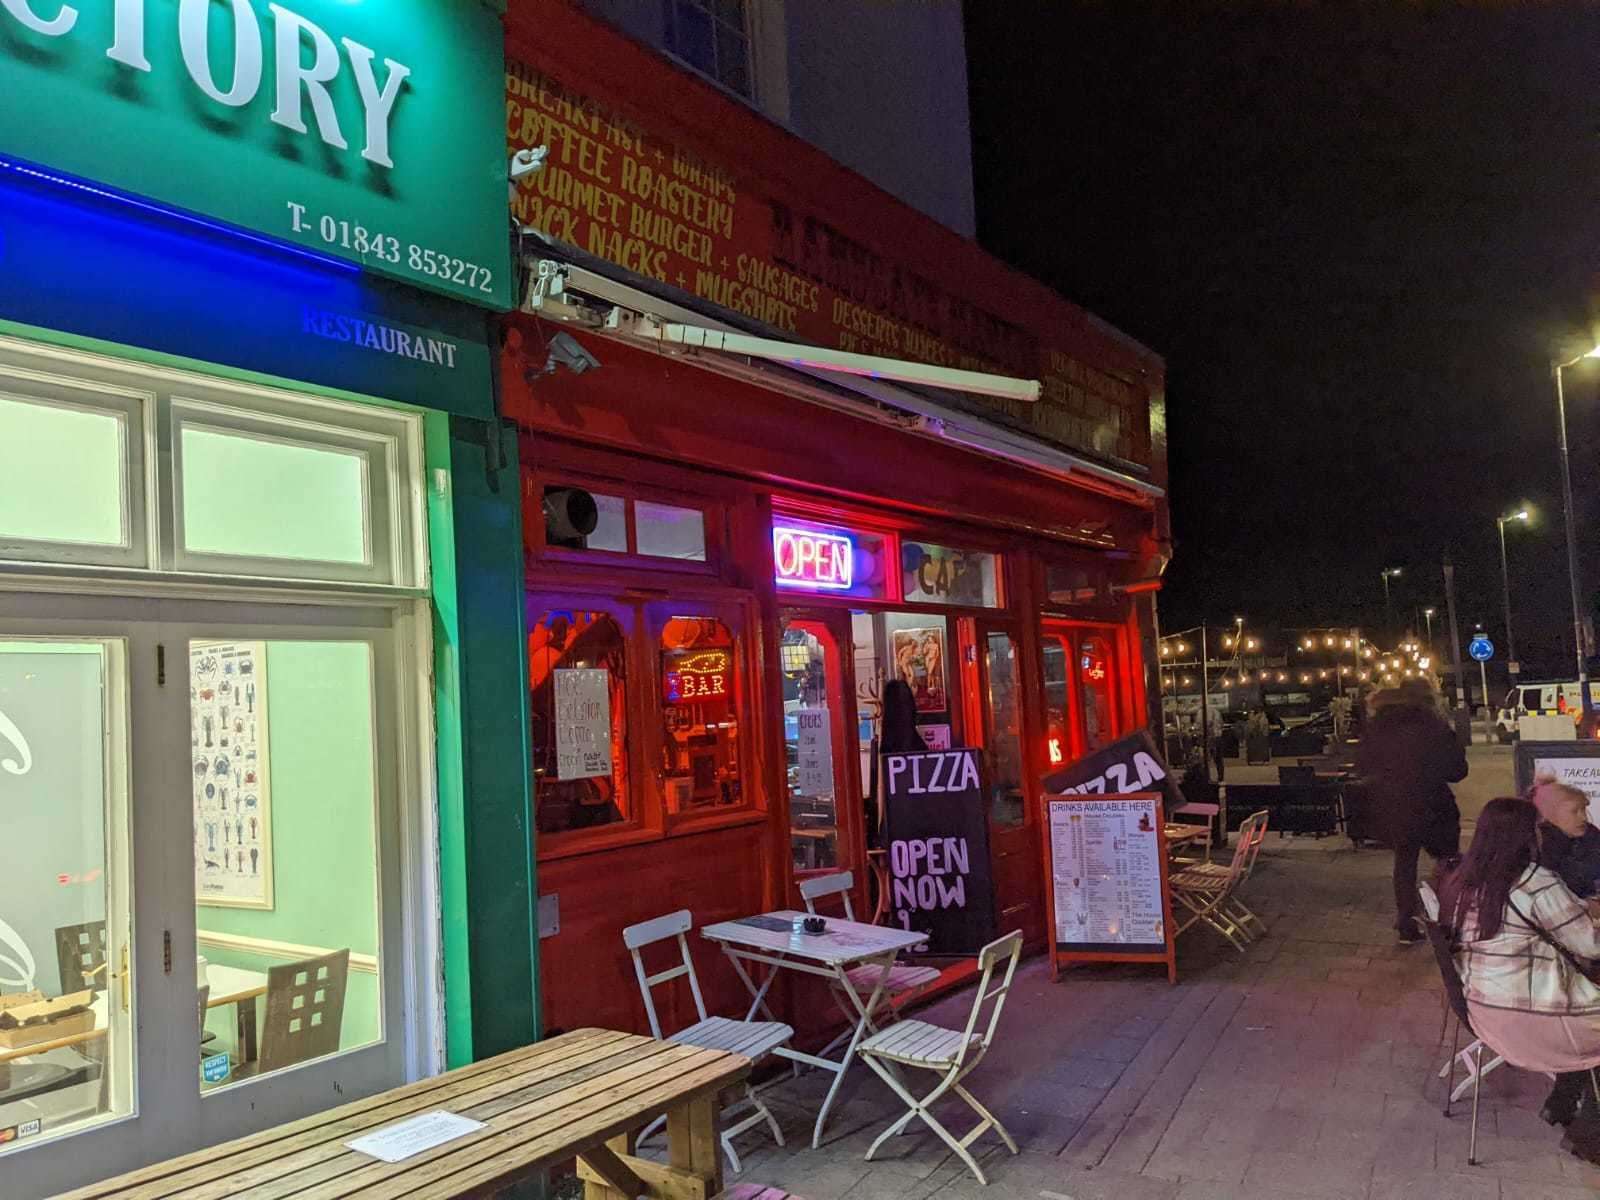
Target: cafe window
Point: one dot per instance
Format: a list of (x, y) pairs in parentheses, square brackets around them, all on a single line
[(701, 699), (933, 574), (830, 561), (248, 481), (577, 518), (577, 671), (670, 531)]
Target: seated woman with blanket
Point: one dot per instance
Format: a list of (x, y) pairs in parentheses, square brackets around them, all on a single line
[(1524, 946)]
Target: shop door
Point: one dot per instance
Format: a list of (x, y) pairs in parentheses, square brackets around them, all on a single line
[(1083, 684), (206, 806), (1013, 851), (826, 829)]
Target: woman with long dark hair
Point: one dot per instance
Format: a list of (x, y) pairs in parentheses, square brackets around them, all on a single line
[(1523, 945)]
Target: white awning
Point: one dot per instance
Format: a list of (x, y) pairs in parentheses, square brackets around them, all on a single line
[(819, 358), (564, 291)]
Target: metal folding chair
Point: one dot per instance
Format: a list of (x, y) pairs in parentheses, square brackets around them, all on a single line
[(952, 1054), (1208, 890), (1471, 1057), (753, 1039)]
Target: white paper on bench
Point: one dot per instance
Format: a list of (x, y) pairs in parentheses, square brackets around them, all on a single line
[(398, 1142)]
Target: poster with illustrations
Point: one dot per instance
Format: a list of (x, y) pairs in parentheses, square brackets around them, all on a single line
[(232, 791), (919, 661)]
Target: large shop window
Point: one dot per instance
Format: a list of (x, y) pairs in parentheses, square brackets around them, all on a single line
[(578, 673), (243, 481), (700, 715), (637, 715)]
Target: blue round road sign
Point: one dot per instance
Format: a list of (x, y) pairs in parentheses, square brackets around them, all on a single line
[(1481, 648)]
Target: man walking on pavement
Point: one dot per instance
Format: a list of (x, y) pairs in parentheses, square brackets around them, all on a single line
[(1409, 757)]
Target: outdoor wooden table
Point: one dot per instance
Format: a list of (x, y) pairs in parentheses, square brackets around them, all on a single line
[(581, 1094), (828, 955), (1182, 835)]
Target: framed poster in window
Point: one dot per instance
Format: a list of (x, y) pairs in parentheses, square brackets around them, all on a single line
[(231, 775)]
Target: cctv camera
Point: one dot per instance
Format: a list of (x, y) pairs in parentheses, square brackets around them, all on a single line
[(566, 351)]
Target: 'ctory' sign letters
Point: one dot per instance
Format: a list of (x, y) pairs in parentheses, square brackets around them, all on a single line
[(365, 129)]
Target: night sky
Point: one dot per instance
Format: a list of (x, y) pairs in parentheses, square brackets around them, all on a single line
[(1357, 234)]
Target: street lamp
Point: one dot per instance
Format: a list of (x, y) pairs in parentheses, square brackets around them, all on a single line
[(1427, 615), (1587, 725), (1513, 667), (1388, 573)]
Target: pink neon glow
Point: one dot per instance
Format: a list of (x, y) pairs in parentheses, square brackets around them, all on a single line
[(811, 559)]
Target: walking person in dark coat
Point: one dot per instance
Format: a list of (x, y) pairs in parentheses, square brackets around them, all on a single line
[(1409, 757)]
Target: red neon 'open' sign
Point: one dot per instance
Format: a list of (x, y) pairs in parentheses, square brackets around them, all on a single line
[(809, 558)]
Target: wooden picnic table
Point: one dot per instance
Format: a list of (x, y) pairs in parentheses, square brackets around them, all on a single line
[(582, 1094)]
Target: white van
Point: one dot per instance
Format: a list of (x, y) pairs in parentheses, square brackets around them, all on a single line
[(1541, 700)]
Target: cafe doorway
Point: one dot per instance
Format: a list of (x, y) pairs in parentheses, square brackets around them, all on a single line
[(995, 692), (216, 817), (821, 741), (1087, 701)]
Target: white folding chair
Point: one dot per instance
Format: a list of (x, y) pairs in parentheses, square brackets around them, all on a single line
[(1207, 890), (753, 1039), (902, 977), (952, 1054)]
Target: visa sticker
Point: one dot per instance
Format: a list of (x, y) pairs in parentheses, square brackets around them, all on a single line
[(28, 1128)]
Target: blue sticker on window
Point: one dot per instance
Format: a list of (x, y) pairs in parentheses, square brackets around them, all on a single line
[(215, 1069)]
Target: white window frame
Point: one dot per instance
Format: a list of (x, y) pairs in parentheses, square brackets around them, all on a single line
[(128, 406), (155, 403)]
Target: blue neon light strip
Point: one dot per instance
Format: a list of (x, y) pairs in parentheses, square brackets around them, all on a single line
[(71, 183)]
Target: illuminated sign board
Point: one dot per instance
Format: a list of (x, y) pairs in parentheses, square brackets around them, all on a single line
[(813, 559), (697, 676), (364, 130)]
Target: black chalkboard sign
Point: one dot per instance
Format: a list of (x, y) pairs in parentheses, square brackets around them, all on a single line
[(940, 882)]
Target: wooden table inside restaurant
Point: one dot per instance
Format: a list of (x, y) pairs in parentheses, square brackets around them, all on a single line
[(582, 1094)]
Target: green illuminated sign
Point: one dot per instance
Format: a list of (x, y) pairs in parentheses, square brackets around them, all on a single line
[(370, 130)]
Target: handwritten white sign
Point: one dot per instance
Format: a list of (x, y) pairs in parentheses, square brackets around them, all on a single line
[(814, 750), (583, 722)]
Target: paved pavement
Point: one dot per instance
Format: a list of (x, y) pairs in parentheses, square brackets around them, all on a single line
[(1300, 1070)]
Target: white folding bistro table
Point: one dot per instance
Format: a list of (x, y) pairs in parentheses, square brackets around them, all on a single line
[(771, 939)]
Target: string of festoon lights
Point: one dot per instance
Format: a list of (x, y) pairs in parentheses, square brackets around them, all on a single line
[(1369, 663)]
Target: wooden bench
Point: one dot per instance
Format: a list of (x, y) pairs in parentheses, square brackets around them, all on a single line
[(582, 1094)]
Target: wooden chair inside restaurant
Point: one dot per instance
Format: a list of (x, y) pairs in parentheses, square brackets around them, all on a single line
[(305, 1013), (81, 956)]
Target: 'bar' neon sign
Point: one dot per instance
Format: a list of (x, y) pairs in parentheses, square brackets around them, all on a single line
[(812, 559)]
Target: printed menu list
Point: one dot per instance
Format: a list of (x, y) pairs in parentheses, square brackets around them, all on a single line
[(1107, 872)]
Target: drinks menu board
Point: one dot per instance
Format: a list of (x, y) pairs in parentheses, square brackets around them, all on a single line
[(1109, 879)]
